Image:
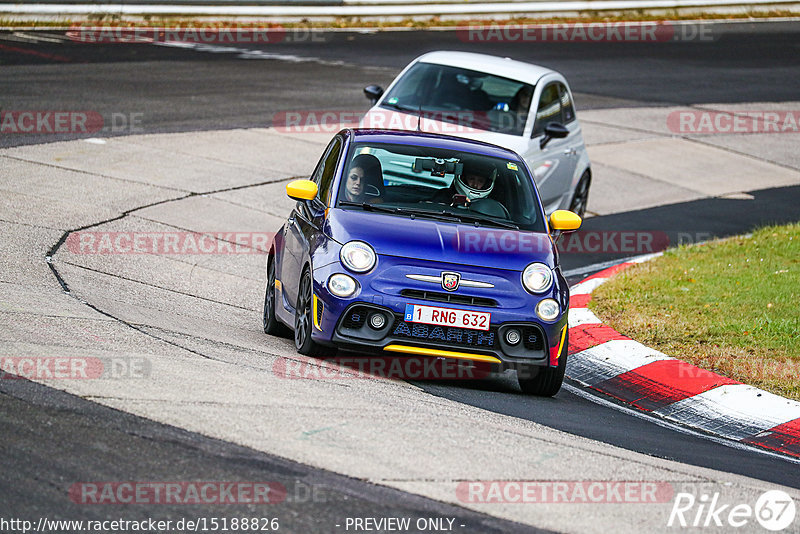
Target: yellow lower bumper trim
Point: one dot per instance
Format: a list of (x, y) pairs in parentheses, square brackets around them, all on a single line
[(443, 353)]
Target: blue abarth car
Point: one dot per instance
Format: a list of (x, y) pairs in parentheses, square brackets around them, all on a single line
[(422, 244)]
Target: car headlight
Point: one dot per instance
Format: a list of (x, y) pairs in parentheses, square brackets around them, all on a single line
[(537, 278), (358, 256), (548, 309), (341, 285)]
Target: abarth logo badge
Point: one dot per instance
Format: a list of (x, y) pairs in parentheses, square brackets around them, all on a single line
[(450, 281)]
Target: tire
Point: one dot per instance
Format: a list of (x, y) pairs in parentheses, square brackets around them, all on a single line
[(580, 199), (548, 380), (304, 321), (272, 325)]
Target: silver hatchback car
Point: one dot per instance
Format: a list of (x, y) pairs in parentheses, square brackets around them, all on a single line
[(516, 105)]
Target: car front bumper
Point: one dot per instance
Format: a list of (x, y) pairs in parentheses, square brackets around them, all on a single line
[(344, 323)]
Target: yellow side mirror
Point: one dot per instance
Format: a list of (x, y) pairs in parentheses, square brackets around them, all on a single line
[(564, 221), (301, 189)]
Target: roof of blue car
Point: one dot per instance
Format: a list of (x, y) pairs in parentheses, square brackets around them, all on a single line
[(431, 140)]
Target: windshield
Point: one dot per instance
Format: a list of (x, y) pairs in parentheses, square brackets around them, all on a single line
[(447, 93), (418, 181)]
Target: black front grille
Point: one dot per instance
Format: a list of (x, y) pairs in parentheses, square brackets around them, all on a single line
[(445, 335), (355, 317), (452, 298)]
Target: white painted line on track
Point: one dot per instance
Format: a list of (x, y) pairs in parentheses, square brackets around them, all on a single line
[(596, 267), (579, 316), (248, 53), (604, 265), (611, 359), (591, 397), (646, 257), (41, 37), (736, 411), (586, 287)]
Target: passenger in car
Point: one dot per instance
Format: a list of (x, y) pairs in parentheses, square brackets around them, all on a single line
[(364, 181), (510, 117), (520, 105)]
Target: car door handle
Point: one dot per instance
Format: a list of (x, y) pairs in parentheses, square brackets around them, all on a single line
[(570, 151)]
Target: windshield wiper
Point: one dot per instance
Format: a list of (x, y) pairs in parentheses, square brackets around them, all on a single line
[(475, 218), (370, 207), (442, 215), (398, 107), (463, 217)]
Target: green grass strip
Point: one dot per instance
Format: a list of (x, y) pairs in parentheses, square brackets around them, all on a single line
[(731, 306)]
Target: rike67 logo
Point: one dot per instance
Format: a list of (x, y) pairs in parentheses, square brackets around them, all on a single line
[(774, 510)]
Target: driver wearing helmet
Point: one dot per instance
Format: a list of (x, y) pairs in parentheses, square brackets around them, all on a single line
[(475, 182)]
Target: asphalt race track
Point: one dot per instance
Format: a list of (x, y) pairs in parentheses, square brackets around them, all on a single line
[(182, 89), (52, 439), (122, 446)]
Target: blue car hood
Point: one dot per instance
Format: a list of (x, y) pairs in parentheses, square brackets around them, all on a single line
[(425, 239)]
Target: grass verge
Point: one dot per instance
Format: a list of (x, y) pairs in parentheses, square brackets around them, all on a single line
[(731, 306)]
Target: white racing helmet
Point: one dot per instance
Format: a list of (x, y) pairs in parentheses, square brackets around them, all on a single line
[(476, 167)]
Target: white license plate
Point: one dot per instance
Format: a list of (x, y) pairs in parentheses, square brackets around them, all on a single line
[(447, 317)]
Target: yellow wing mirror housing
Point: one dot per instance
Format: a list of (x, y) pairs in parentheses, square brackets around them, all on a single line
[(301, 190), (564, 221)]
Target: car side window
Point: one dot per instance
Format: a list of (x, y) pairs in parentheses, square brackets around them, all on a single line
[(549, 109), (326, 169), (567, 109)]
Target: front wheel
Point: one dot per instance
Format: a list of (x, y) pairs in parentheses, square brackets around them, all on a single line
[(544, 381), (304, 321), (580, 199)]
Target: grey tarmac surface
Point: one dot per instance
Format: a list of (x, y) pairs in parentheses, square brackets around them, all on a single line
[(242, 85), (194, 318), (126, 448)]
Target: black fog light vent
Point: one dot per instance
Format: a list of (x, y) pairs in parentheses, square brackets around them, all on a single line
[(320, 308), (356, 317), (532, 338)]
